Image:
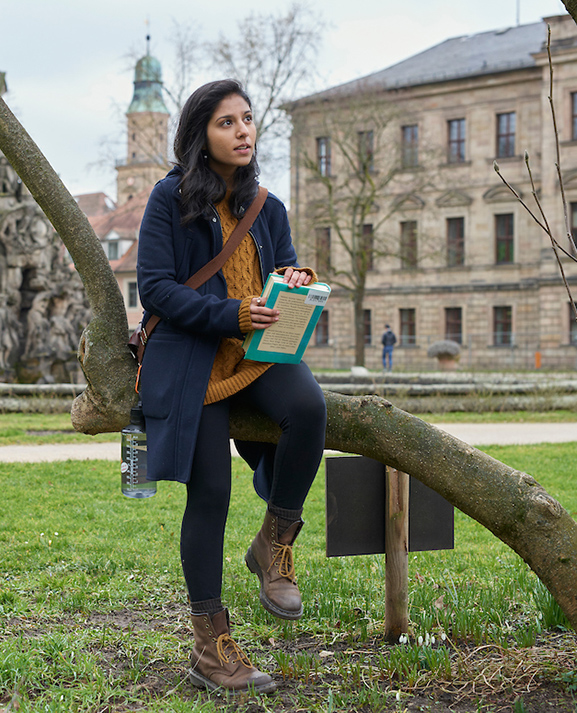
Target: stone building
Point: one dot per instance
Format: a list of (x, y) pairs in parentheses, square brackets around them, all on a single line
[(464, 260)]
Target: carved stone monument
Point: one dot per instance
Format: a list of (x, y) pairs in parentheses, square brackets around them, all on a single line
[(43, 308)]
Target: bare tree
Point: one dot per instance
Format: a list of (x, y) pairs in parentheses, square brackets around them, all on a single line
[(273, 56), (361, 180)]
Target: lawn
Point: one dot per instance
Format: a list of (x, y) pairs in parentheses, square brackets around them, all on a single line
[(37, 428), (93, 614)]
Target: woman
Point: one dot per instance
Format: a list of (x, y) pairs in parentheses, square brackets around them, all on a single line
[(193, 370)]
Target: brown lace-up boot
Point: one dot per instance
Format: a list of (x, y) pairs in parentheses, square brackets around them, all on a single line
[(271, 558), (219, 662)]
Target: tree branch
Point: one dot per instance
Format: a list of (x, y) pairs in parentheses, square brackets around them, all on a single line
[(105, 359), (511, 504)]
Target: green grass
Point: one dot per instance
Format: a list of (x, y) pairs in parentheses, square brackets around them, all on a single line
[(37, 428), (93, 613), (21, 428)]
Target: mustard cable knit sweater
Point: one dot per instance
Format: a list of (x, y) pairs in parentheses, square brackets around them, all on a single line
[(231, 372)]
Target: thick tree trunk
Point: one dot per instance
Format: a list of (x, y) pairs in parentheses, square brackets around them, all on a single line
[(511, 504), (107, 364)]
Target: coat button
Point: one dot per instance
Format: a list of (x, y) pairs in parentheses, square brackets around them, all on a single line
[(214, 220)]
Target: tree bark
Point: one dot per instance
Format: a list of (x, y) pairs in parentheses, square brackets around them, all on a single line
[(107, 364), (509, 503)]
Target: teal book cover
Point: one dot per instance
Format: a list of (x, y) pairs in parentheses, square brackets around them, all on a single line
[(300, 308)]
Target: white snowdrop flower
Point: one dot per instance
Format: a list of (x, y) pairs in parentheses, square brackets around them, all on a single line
[(398, 695), (427, 638), (55, 534), (420, 641), (443, 636), (41, 534), (432, 640)]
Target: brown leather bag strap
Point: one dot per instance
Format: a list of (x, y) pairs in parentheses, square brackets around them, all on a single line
[(241, 229), (214, 265)]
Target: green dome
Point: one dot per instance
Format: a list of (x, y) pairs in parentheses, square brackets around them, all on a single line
[(147, 87)]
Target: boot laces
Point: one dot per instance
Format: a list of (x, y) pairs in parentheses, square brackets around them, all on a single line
[(226, 648), (283, 555)]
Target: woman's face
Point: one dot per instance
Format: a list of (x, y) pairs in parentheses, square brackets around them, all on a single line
[(231, 136)]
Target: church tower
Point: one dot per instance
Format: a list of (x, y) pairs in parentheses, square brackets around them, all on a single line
[(147, 125)]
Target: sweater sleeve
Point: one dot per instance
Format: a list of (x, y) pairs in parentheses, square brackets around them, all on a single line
[(308, 270), (244, 320)]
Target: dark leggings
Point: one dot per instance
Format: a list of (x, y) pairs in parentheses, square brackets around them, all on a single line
[(290, 396)]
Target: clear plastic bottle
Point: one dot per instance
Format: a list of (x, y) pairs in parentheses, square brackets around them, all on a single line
[(133, 465)]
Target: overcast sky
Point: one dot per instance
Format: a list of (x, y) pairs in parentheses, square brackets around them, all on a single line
[(69, 78)]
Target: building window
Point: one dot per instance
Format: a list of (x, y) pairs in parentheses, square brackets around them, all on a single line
[(324, 155), (504, 253), (322, 330), (574, 116), (455, 242), (366, 247), (113, 250), (456, 140), (410, 146), (454, 324), (366, 151), (367, 326), (132, 295), (408, 327), (502, 326), (572, 325), (573, 216), (409, 243), (506, 134), (323, 249)]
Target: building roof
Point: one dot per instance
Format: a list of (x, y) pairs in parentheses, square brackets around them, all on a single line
[(125, 220), (127, 263), (3, 87), (147, 87), (93, 204), (459, 57)]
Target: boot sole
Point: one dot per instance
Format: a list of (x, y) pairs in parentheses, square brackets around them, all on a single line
[(201, 681), (255, 568)]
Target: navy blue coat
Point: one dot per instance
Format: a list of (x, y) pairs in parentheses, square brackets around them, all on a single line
[(180, 352)]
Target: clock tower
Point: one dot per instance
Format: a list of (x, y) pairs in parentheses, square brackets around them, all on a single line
[(147, 125)]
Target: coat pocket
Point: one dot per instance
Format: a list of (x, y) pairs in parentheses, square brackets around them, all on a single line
[(161, 373)]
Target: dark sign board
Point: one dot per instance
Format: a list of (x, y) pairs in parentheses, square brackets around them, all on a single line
[(356, 506)]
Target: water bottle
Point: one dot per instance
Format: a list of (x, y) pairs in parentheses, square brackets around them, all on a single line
[(133, 465)]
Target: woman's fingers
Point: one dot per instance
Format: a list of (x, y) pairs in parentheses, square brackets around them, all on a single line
[(296, 278), (262, 317)]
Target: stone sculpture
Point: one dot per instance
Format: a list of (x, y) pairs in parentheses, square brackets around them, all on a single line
[(43, 308)]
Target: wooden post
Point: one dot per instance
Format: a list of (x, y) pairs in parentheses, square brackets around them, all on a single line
[(396, 555)]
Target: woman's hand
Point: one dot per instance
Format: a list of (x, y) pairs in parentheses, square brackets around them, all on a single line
[(262, 317), (296, 278)]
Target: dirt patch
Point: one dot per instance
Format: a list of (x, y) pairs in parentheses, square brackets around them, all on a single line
[(308, 669)]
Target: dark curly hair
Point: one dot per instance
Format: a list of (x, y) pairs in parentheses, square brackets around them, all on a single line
[(200, 185)]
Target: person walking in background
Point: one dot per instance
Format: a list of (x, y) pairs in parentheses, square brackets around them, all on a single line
[(194, 370), (388, 341)]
